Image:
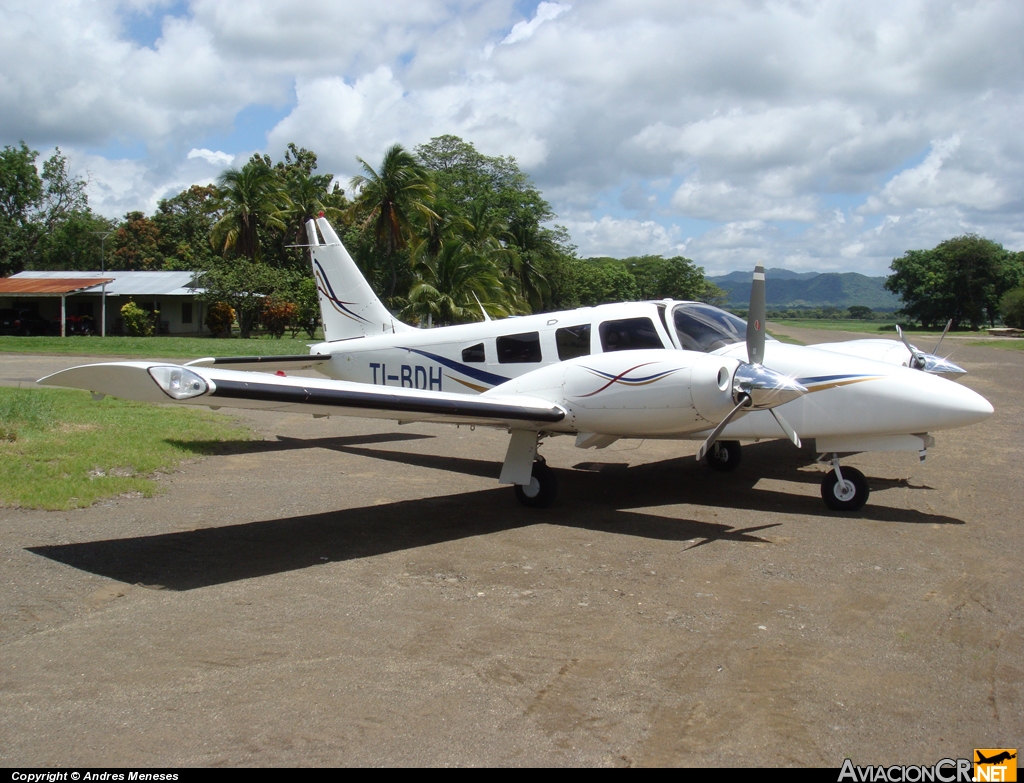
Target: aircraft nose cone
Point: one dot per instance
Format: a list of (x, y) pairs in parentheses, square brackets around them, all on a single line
[(963, 406)]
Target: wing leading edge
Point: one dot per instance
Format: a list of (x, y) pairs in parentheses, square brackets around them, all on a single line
[(197, 385)]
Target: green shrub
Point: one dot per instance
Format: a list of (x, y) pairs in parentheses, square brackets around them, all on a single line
[(276, 315), (137, 322), (1012, 307), (219, 317)]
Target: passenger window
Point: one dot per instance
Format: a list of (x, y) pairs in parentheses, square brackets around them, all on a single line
[(573, 341), (629, 334), (519, 348), (475, 353)]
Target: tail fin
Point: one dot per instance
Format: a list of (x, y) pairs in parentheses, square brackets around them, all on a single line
[(348, 306)]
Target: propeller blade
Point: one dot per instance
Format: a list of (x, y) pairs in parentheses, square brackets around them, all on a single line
[(917, 360), (949, 323), (786, 428), (755, 318), (743, 403), (929, 362)]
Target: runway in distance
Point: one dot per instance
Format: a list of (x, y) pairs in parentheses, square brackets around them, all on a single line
[(637, 370)]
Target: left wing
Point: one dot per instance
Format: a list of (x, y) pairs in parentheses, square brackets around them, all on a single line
[(196, 385)]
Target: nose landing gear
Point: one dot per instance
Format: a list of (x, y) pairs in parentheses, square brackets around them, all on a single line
[(724, 455), (844, 489)]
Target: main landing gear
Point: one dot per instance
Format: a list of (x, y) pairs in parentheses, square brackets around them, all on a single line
[(844, 489), (535, 483), (542, 489), (724, 455)]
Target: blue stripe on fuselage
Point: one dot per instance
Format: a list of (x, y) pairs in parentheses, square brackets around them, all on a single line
[(472, 372)]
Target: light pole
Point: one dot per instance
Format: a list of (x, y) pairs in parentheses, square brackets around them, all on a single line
[(103, 290)]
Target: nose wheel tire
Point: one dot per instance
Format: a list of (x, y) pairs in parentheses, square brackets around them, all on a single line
[(542, 489), (724, 455), (850, 495)]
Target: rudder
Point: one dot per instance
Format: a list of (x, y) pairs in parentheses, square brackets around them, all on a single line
[(348, 306)]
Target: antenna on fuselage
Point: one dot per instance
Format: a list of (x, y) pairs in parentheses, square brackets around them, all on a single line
[(486, 317)]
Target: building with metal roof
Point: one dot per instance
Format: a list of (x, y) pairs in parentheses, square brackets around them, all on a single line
[(97, 298)]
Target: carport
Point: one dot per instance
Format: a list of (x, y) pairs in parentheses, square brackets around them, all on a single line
[(51, 287)]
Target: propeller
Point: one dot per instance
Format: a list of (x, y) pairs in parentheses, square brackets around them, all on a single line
[(754, 386), (929, 362)]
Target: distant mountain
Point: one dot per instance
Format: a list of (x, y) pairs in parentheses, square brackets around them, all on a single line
[(786, 289)]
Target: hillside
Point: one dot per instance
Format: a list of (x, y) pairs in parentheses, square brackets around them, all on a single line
[(787, 289)]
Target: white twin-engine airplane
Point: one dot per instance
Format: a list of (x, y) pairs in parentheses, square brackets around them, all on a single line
[(665, 369)]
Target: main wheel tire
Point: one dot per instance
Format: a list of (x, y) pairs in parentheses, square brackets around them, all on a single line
[(850, 496), (724, 455), (542, 489)]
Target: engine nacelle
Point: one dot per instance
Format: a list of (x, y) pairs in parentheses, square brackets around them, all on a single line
[(635, 393)]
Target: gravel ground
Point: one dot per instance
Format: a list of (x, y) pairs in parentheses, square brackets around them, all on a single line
[(348, 592)]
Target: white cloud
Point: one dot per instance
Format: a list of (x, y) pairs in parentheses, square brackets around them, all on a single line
[(545, 13), (758, 115), (619, 238), (217, 158)]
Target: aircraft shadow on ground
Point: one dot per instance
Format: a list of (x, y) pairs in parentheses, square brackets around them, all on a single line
[(221, 447), (589, 500), (210, 556)]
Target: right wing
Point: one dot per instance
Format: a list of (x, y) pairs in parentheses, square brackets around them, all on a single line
[(197, 385)]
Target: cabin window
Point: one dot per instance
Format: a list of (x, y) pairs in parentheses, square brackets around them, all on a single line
[(519, 348), (573, 341), (475, 353), (629, 334), (186, 312)]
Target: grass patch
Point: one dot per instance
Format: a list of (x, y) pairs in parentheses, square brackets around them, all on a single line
[(865, 327), (156, 347), (60, 449), (1007, 345), (783, 338), (873, 328)]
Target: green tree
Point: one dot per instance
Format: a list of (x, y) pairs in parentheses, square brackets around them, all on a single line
[(307, 303), (452, 286), (961, 279), (73, 242), (184, 223), (249, 199), (671, 278), (45, 220), (243, 285), (390, 200), (135, 245), (21, 190), (585, 283), (500, 202), (860, 312), (1011, 306)]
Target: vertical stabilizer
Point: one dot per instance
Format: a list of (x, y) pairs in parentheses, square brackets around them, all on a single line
[(348, 306)]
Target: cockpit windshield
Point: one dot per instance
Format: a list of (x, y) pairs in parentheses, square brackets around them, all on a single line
[(701, 327)]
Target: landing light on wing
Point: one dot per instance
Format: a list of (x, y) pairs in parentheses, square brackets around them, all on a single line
[(179, 383)]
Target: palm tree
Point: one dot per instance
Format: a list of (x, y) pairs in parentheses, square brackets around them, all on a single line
[(449, 286), (308, 198), (532, 246), (250, 197), (391, 199)]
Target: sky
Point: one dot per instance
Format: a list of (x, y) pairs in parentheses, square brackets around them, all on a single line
[(814, 136)]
